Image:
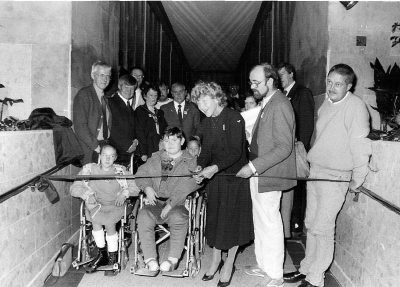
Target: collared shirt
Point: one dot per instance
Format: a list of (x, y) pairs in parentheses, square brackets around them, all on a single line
[(338, 101), (99, 92), (182, 106), (288, 88), (125, 100), (263, 104), (100, 95)]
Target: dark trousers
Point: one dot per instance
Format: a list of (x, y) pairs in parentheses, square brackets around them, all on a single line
[(299, 206)]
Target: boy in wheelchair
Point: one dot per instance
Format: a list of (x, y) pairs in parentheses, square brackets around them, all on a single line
[(165, 200), (104, 200)]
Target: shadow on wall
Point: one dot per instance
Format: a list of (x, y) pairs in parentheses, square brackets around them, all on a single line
[(312, 74), (82, 59)]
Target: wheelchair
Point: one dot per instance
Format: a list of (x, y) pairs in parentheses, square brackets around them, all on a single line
[(194, 242), (87, 249)]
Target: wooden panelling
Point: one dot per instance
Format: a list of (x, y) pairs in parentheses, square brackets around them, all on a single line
[(147, 40)]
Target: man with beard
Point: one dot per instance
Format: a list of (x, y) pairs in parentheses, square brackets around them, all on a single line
[(91, 113), (271, 155), (340, 152)]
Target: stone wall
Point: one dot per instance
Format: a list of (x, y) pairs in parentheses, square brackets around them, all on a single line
[(374, 20), (31, 229), (367, 248), (35, 40), (94, 36), (309, 43)]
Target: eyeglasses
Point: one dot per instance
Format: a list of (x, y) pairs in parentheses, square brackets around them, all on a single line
[(255, 83), (337, 85), (138, 76)]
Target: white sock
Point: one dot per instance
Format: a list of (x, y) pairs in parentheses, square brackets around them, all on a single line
[(112, 242), (98, 236)]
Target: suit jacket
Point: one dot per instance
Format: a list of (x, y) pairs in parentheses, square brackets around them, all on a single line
[(146, 131), (190, 116), (272, 147), (303, 105), (123, 128), (87, 120)]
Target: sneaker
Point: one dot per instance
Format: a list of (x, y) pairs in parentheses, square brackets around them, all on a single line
[(254, 271)]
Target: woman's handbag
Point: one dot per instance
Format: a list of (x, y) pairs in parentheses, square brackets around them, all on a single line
[(302, 166), (63, 260)]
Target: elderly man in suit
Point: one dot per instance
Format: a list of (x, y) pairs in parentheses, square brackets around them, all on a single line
[(138, 100), (271, 154), (181, 113), (123, 136), (294, 200), (91, 113)]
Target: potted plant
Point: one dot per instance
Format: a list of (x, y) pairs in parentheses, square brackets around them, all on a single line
[(9, 123), (387, 90)]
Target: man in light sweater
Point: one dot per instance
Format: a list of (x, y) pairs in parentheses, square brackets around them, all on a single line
[(340, 152)]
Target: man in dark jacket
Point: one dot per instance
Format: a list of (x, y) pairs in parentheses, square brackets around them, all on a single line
[(294, 200), (91, 114), (123, 136), (181, 113)]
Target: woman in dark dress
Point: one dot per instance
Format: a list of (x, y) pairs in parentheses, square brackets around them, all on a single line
[(229, 222), (150, 123)]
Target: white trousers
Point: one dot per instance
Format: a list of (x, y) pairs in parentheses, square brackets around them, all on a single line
[(268, 230)]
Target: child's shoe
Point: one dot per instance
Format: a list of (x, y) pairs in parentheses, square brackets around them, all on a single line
[(100, 260), (113, 258)]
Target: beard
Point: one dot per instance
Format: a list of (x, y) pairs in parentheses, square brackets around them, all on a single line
[(257, 94)]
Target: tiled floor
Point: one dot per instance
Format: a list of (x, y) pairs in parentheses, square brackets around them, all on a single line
[(295, 249)]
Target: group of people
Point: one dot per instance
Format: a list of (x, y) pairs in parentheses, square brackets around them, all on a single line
[(249, 177)]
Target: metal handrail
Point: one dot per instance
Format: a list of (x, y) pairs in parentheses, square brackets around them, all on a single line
[(361, 189), (31, 183)]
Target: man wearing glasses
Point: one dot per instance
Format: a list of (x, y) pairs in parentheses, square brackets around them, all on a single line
[(138, 74), (91, 113), (271, 155), (340, 152)]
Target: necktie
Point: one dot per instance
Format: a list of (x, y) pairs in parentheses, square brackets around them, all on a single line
[(180, 114), (104, 114), (128, 105), (285, 92)]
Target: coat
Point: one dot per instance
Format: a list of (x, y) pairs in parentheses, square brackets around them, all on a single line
[(123, 128), (87, 120), (303, 105), (146, 131), (272, 147), (178, 188), (190, 118)]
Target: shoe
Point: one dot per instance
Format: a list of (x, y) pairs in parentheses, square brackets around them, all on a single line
[(293, 277), (306, 284), (254, 271), (100, 260), (113, 258), (225, 284), (211, 277), (145, 271), (170, 266)]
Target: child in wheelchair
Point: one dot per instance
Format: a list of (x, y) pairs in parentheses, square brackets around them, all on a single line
[(165, 200), (194, 146), (104, 200)]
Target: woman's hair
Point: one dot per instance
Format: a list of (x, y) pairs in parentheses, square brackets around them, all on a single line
[(150, 86), (211, 89)]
